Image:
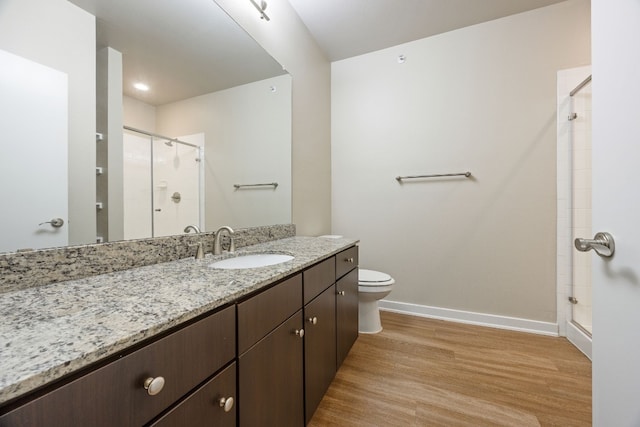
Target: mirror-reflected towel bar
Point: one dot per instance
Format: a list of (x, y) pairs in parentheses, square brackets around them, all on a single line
[(267, 184), (401, 178)]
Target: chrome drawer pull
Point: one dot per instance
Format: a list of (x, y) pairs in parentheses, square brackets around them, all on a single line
[(154, 385), (299, 332), (349, 260), (313, 320), (226, 403), (341, 293)]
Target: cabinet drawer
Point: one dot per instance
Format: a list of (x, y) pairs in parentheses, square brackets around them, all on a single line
[(262, 313), (346, 261), (318, 278), (115, 394), (206, 407)]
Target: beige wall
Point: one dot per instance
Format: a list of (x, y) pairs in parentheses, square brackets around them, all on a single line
[(60, 35), (482, 99), (289, 42)]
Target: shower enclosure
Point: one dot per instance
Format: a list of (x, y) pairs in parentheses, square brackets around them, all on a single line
[(574, 206), (163, 183), (580, 137)]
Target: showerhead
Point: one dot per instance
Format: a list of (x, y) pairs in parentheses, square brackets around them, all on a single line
[(169, 143)]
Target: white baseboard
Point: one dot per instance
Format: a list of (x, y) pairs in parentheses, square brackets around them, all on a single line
[(480, 319), (579, 339)]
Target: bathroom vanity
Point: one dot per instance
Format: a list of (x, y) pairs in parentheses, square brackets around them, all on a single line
[(167, 344)]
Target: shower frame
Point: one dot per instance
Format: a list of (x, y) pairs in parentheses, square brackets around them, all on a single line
[(569, 83), (156, 136)]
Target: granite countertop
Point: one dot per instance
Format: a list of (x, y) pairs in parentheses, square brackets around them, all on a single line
[(52, 330)]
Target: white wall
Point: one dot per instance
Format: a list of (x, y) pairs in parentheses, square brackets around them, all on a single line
[(287, 39), (58, 34), (248, 140), (482, 99)]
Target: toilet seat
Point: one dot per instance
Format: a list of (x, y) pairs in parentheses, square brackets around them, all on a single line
[(372, 278)]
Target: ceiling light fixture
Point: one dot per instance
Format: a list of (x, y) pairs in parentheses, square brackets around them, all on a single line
[(261, 8), (141, 86)]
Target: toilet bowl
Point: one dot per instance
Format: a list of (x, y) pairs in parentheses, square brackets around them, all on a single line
[(372, 286)]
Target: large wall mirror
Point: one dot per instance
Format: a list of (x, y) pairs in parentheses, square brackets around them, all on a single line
[(206, 143)]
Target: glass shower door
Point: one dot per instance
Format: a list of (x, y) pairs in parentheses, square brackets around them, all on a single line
[(581, 205), (163, 184)]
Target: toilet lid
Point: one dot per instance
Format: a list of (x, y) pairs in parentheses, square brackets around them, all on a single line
[(372, 276)]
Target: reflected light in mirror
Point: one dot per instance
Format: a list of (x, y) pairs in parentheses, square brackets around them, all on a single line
[(141, 86)]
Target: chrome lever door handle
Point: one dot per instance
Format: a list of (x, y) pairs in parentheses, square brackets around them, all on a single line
[(55, 222), (602, 243)]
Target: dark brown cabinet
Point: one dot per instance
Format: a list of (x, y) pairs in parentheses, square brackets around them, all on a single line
[(115, 394), (265, 361), (320, 332), (319, 348), (270, 382), (270, 346), (346, 313)]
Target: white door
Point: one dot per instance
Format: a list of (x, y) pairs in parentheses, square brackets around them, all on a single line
[(616, 209), (33, 154)]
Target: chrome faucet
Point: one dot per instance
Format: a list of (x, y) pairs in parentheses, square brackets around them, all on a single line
[(217, 241), (193, 228)]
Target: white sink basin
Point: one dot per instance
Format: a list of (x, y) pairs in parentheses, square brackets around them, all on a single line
[(251, 261)]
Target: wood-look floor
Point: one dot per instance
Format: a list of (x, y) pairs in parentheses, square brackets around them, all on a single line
[(424, 372)]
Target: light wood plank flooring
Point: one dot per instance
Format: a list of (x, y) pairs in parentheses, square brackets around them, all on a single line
[(424, 372)]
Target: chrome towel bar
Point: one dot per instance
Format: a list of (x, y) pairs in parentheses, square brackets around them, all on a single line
[(268, 184), (465, 174)]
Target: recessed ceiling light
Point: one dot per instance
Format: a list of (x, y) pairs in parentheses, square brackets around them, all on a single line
[(141, 86)]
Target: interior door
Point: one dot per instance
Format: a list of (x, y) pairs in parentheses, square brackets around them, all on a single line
[(616, 209), (33, 154)]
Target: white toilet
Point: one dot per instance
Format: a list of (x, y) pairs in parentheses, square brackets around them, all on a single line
[(372, 286)]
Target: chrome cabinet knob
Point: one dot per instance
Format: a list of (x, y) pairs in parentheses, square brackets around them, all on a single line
[(55, 222), (299, 332), (349, 260), (313, 320), (342, 293), (602, 243), (154, 385), (226, 403)]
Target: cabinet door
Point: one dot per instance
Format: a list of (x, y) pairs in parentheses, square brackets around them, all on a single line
[(213, 404), (346, 314), (270, 378), (319, 348)]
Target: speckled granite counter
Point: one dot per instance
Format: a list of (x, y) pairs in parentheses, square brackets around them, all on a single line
[(49, 331)]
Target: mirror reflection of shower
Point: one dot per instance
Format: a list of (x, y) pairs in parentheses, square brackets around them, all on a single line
[(164, 179)]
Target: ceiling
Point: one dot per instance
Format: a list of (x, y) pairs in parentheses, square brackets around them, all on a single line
[(168, 44), (346, 28), (181, 49)]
